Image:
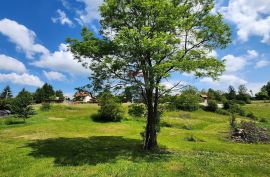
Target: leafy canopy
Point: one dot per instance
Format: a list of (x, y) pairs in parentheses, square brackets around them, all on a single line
[(144, 41), (22, 105)]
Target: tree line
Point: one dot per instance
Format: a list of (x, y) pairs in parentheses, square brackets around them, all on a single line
[(21, 105)]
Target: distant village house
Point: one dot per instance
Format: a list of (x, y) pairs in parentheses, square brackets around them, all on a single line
[(84, 97)]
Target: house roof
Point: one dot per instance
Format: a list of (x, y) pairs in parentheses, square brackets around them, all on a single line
[(82, 94), (204, 96)]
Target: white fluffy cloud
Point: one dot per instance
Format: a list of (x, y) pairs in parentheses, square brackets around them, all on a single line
[(233, 76), (262, 63), (252, 54), (225, 81), (24, 79), (11, 64), (234, 63), (22, 37), (91, 10), (62, 18), (53, 75), (252, 18), (61, 60)]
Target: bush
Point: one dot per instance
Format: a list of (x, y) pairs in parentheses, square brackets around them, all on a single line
[(241, 102), (232, 107), (45, 107), (212, 106), (233, 121), (5, 104), (136, 110), (21, 105), (251, 115), (222, 112), (263, 120), (188, 100), (12, 121), (110, 108), (241, 111)]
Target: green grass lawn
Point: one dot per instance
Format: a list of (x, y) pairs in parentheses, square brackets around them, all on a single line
[(66, 142)]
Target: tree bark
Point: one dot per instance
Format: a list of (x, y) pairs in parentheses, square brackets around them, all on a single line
[(150, 139)]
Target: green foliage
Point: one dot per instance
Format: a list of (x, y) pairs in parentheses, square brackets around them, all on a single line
[(60, 95), (251, 115), (262, 95), (243, 95), (211, 106), (5, 104), (233, 123), (153, 39), (263, 120), (21, 105), (188, 100), (44, 93), (240, 102), (267, 88), (231, 95), (241, 111), (233, 107), (136, 110), (12, 121), (216, 95), (45, 107), (264, 92), (222, 112), (110, 108), (6, 93)]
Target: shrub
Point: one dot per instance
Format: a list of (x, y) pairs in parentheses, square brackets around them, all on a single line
[(227, 104), (233, 121), (241, 111), (264, 120), (212, 106), (12, 121), (45, 107), (110, 108), (136, 110), (188, 100), (21, 105), (251, 115), (5, 104), (241, 102), (222, 112), (232, 107)]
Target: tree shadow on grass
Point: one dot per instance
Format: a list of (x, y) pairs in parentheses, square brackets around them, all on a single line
[(94, 150)]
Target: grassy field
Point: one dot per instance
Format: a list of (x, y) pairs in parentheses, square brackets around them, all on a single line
[(66, 142)]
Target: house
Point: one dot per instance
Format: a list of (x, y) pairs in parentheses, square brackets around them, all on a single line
[(205, 99), (84, 97)]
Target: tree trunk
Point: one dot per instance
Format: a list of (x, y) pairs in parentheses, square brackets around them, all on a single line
[(150, 141)]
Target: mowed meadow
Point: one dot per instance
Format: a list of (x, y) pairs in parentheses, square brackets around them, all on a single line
[(64, 141)]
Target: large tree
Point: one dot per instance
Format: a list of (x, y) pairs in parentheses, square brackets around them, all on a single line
[(143, 41), (22, 105), (44, 93), (6, 93)]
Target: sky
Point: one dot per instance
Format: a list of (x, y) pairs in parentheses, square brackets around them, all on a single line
[(33, 50)]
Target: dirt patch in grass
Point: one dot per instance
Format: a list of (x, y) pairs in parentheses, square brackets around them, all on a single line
[(35, 136), (56, 118)]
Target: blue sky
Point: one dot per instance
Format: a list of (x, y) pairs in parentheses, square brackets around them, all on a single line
[(33, 33)]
